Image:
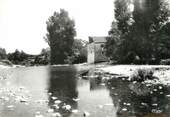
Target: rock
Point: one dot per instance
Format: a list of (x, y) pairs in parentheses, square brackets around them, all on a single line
[(6, 98), (37, 113), (56, 115), (57, 101), (161, 92), (49, 94), (168, 95), (39, 116), (22, 87), (76, 99), (86, 114), (100, 106), (128, 104), (155, 104), (160, 87), (50, 110), (11, 107), (56, 106), (144, 104), (155, 90), (110, 104), (74, 111), (124, 109), (54, 98), (67, 107)]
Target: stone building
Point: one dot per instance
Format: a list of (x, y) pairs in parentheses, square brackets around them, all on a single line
[(96, 50)]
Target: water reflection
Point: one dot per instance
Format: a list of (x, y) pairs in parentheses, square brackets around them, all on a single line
[(139, 100), (63, 90), (100, 95)]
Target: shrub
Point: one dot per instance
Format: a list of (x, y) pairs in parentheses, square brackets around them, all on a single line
[(165, 62), (141, 75)]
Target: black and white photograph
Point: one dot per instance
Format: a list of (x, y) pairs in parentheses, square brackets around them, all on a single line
[(84, 58)]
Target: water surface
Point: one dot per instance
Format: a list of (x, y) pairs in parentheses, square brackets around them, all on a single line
[(60, 91)]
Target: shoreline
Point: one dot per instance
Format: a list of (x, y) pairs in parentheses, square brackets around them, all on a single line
[(162, 72)]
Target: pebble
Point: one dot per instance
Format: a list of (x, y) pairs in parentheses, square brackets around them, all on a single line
[(128, 104), (124, 109), (67, 107), (41, 101), (115, 94), (39, 116), (161, 92), (76, 99), (102, 84), (21, 87), (57, 101), (37, 113), (74, 111), (23, 100), (100, 106), (160, 87), (56, 106), (49, 93), (10, 106), (86, 114), (50, 110), (144, 104), (56, 115), (113, 87), (155, 104), (156, 111), (155, 90), (110, 104), (168, 95), (54, 98)]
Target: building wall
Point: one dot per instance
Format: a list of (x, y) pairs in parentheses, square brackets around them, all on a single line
[(96, 53), (99, 52), (90, 53)]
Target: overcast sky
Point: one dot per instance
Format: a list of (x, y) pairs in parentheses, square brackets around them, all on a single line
[(23, 22)]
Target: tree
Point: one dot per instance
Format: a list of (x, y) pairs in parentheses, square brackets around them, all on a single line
[(149, 16), (60, 36), (3, 54), (80, 51), (163, 46), (138, 35), (17, 57), (122, 15), (112, 42), (115, 45)]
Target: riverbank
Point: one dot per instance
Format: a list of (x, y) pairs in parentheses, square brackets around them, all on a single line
[(162, 72)]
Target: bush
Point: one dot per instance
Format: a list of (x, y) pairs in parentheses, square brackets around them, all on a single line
[(141, 75), (165, 62)]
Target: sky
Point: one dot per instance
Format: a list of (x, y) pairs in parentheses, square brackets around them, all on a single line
[(23, 22)]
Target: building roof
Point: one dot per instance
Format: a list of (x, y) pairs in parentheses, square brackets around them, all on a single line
[(97, 39)]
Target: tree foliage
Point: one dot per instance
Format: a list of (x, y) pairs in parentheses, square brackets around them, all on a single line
[(3, 54), (60, 36), (138, 35), (80, 51), (17, 57)]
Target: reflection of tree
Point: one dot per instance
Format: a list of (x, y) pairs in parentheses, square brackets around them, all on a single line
[(139, 99), (97, 80), (96, 83), (63, 85)]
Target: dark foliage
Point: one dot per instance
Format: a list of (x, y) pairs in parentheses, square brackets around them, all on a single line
[(17, 57), (139, 36), (60, 36), (3, 54)]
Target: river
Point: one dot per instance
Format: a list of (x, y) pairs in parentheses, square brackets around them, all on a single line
[(59, 91)]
